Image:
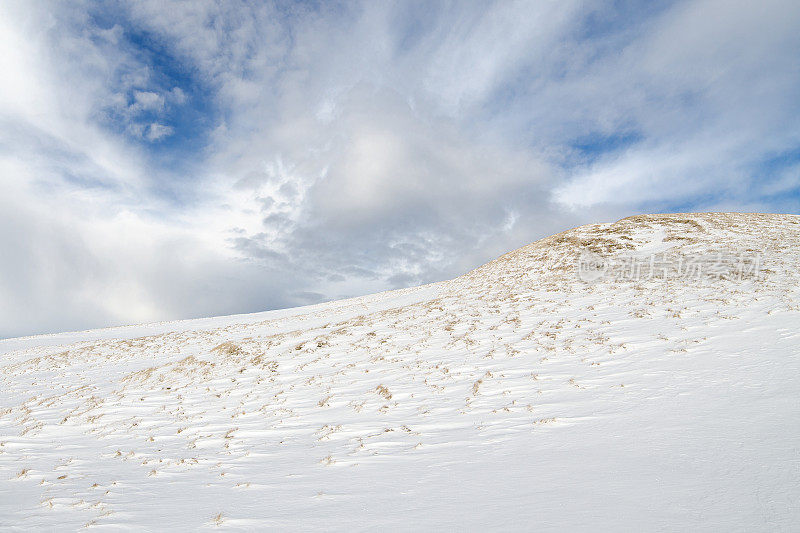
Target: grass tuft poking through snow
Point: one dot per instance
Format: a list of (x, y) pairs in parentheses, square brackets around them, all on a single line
[(517, 396)]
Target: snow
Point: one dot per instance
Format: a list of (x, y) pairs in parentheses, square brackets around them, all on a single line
[(514, 397)]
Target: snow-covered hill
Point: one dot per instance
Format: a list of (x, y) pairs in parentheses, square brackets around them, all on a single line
[(641, 375)]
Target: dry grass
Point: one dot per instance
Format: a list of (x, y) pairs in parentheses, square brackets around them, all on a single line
[(383, 391), (227, 348)]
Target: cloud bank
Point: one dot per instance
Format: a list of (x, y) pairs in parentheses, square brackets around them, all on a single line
[(201, 158)]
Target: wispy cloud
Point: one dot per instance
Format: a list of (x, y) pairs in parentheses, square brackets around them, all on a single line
[(229, 157)]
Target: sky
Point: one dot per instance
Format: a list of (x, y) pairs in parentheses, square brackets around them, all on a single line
[(186, 159)]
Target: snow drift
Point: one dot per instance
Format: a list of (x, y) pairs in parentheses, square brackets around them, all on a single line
[(653, 385)]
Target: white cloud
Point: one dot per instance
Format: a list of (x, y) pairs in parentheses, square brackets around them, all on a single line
[(147, 101), (355, 147), (177, 96), (156, 131)]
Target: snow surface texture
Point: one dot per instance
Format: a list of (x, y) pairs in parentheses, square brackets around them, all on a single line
[(515, 397)]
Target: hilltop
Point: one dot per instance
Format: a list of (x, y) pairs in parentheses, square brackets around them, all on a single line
[(634, 375)]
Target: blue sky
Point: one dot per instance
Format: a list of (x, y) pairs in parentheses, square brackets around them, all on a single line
[(163, 161)]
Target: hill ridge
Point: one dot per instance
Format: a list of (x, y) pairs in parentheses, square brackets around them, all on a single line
[(519, 393)]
